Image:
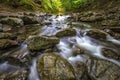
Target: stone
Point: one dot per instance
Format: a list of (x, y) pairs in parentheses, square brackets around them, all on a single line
[(6, 35), (30, 20), (110, 54), (110, 23), (66, 32), (97, 34), (52, 66), (41, 43), (15, 75), (81, 71), (6, 43), (104, 70), (12, 21)]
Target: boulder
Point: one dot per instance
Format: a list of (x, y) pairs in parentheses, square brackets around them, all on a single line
[(97, 34), (104, 70), (54, 67), (66, 32), (81, 71), (6, 43), (41, 43), (110, 54), (15, 75), (12, 21)]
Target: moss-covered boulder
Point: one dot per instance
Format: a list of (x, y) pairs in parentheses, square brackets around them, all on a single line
[(41, 43), (97, 34), (15, 75), (54, 67), (6, 43), (12, 21), (104, 70), (66, 32)]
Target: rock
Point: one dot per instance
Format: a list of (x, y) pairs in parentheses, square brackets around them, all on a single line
[(41, 43), (77, 51), (30, 20), (15, 75), (81, 71), (6, 28), (66, 32), (6, 43), (115, 29), (91, 16), (6, 35), (1, 28), (11, 61), (12, 21), (54, 67), (105, 70), (97, 34), (110, 54), (110, 23)]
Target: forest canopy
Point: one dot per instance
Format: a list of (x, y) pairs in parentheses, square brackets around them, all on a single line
[(48, 5)]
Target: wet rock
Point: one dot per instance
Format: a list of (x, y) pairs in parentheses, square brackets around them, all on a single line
[(12, 21), (12, 61), (15, 75), (105, 70), (81, 71), (110, 54), (54, 67), (97, 34), (6, 43), (110, 23), (30, 20), (41, 43), (77, 51), (7, 35), (66, 32), (91, 16)]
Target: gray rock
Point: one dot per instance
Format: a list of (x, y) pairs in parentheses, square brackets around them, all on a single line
[(41, 43), (53, 67)]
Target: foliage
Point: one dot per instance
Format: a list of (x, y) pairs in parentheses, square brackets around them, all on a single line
[(52, 5)]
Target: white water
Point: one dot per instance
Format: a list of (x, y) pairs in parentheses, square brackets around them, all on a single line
[(110, 38), (57, 23), (5, 67), (33, 71)]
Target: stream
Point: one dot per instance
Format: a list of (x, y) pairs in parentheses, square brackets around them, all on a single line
[(91, 47)]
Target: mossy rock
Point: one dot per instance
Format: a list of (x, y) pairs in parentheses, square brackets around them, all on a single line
[(53, 67), (66, 32), (15, 75), (6, 43), (30, 20), (7, 35), (104, 70), (12, 21), (97, 34), (41, 43)]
